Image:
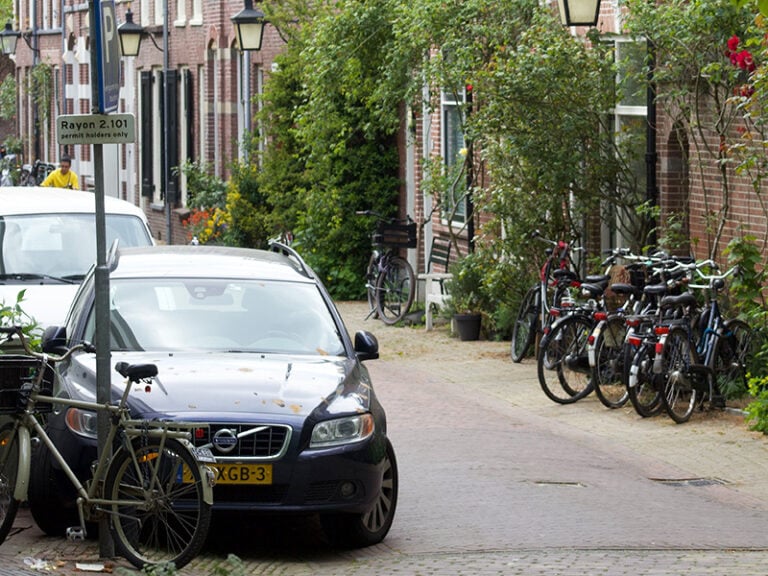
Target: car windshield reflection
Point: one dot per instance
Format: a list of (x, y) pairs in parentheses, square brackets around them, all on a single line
[(220, 315)]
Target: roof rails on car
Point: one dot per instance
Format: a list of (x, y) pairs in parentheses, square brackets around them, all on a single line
[(291, 254)]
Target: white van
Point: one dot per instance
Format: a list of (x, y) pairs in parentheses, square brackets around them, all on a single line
[(48, 243)]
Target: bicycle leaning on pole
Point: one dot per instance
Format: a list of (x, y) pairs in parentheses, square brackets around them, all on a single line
[(389, 278), (155, 486)]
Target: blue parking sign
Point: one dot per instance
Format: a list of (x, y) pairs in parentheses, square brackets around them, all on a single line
[(108, 56)]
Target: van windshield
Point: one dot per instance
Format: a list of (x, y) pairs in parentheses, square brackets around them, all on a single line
[(60, 245)]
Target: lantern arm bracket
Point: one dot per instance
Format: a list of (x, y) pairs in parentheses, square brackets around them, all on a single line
[(27, 36)]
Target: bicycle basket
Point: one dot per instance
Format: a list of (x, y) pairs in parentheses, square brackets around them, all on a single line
[(395, 235), (17, 375)]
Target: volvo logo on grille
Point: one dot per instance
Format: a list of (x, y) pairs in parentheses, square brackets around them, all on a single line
[(225, 440)]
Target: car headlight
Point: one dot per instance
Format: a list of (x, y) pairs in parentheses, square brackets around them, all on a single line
[(342, 431), (82, 422)]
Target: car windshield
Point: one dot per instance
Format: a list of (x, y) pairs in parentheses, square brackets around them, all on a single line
[(61, 245), (220, 315)]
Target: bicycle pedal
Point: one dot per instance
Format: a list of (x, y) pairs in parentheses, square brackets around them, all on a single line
[(75, 534)]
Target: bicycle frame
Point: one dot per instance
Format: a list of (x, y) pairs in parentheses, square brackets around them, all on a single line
[(133, 429), (560, 253)]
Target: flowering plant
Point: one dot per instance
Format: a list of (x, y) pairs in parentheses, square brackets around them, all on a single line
[(744, 61), (208, 226)]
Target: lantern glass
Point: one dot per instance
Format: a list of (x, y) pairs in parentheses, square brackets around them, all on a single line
[(130, 44), (579, 12), (250, 35)]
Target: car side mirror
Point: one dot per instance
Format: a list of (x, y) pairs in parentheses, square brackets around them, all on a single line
[(54, 339), (366, 345)]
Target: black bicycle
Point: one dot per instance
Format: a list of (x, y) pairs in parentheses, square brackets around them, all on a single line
[(534, 313), (389, 278)]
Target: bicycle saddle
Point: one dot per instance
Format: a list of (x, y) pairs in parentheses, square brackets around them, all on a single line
[(681, 300), (136, 372), (626, 289)]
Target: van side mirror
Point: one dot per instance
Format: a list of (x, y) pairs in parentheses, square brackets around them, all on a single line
[(366, 345)]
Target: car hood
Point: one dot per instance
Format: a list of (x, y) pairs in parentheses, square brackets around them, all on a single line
[(47, 304), (205, 386)]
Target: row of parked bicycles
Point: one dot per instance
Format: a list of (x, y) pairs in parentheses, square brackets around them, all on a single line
[(665, 346)]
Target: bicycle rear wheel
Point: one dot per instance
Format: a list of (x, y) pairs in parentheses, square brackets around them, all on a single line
[(643, 385), (160, 515), (9, 472), (524, 330), (563, 364), (395, 290), (609, 363), (680, 392)]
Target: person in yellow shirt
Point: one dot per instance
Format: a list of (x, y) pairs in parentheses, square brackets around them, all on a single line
[(64, 176)]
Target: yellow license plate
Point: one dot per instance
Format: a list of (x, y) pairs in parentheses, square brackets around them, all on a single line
[(238, 473)]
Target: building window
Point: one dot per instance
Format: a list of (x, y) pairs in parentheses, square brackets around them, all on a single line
[(630, 132), (452, 107), (197, 13)]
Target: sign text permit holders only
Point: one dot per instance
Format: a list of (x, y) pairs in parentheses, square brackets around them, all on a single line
[(96, 129)]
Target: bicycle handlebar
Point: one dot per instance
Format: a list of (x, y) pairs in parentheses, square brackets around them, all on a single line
[(18, 331)]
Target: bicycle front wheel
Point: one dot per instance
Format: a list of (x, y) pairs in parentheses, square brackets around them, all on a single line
[(563, 362), (159, 514), (9, 472), (370, 282), (680, 392), (395, 290), (524, 330), (734, 351), (609, 363)]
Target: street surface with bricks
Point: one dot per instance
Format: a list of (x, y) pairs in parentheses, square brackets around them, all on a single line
[(497, 479)]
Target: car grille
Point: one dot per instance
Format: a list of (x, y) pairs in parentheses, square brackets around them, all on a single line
[(245, 441)]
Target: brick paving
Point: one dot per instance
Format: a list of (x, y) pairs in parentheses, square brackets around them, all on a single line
[(496, 479)]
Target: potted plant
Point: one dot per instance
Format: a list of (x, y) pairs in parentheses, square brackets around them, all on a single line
[(466, 296)]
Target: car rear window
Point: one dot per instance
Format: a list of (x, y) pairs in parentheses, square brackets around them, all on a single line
[(61, 245)]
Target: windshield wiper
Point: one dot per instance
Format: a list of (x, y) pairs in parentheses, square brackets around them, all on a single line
[(30, 277)]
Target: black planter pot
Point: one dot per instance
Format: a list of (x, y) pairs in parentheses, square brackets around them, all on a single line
[(468, 325)]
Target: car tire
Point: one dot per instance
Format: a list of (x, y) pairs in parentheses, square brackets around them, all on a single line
[(52, 498), (368, 528)]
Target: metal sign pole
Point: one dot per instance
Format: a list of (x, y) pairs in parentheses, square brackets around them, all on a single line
[(103, 384)]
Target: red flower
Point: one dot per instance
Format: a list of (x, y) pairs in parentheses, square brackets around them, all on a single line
[(745, 61), (733, 43)]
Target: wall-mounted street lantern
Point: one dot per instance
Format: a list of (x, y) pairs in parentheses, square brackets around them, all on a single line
[(249, 27), (9, 37), (130, 35), (579, 12)]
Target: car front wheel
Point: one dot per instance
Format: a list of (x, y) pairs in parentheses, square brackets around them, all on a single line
[(368, 528)]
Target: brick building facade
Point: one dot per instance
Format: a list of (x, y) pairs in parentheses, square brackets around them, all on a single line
[(211, 88), (211, 85)]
